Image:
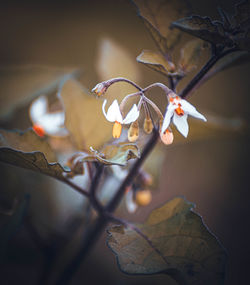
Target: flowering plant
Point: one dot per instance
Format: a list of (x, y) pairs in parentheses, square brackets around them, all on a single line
[(106, 170)]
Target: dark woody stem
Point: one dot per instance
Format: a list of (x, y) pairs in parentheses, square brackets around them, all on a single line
[(199, 76), (104, 218)]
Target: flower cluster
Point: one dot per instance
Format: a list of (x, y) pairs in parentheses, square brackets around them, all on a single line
[(177, 112)]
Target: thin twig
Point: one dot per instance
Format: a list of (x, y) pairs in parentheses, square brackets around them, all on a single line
[(120, 79), (75, 187)]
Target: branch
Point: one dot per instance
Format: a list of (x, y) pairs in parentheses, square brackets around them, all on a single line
[(104, 218), (199, 76), (75, 187)]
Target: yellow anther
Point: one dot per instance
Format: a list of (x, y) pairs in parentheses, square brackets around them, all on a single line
[(133, 132), (117, 130)]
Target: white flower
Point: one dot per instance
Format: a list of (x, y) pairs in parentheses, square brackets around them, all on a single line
[(178, 110), (114, 115), (45, 122)]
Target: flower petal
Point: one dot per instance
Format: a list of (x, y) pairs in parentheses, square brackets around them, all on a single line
[(167, 118), (132, 115), (113, 114), (181, 124), (191, 110), (131, 205), (38, 108), (53, 123)]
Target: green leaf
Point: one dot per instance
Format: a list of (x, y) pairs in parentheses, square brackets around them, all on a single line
[(27, 150), (12, 224), (116, 154), (203, 28), (21, 84), (157, 15), (190, 55), (176, 241), (156, 61), (83, 116)]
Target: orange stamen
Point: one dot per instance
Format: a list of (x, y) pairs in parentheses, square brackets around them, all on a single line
[(39, 130), (117, 130), (179, 111)]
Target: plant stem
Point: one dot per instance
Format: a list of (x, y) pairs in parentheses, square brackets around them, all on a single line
[(198, 77), (75, 187), (103, 218)]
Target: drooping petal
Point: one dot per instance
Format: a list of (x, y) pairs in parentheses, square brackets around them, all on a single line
[(191, 110), (130, 203), (167, 118), (38, 108), (181, 124), (113, 114), (132, 115)]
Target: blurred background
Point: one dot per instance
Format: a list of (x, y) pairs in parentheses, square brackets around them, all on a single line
[(40, 43)]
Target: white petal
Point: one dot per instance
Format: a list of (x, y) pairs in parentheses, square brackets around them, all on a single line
[(38, 108), (167, 118), (132, 115), (114, 113), (53, 123), (131, 205), (181, 124), (191, 110)]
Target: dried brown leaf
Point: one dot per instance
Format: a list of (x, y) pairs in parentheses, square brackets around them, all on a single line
[(83, 116), (116, 154), (176, 240), (203, 28), (156, 61), (190, 55), (115, 61), (21, 84), (27, 150), (157, 15)]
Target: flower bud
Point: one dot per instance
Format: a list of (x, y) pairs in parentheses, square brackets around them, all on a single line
[(143, 197), (133, 131), (148, 125), (99, 89), (167, 137)]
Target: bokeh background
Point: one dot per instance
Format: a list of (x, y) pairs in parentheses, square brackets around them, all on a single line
[(212, 172)]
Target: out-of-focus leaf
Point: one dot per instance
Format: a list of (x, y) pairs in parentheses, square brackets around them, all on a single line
[(190, 55), (177, 242), (228, 61), (115, 61), (27, 150), (153, 165), (157, 15), (83, 116), (203, 28), (21, 84), (117, 154), (12, 224), (242, 14), (243, 41), (215, 127), (156, 61)]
